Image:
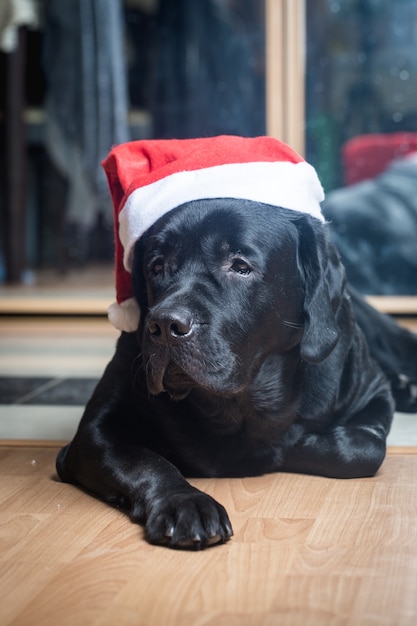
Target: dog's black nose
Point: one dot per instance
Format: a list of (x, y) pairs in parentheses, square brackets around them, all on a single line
[(169, 327)]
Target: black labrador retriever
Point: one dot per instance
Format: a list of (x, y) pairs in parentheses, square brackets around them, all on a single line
[(247, 360)]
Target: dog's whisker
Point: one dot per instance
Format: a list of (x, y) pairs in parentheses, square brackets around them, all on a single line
[(295, 325), (137, 367)]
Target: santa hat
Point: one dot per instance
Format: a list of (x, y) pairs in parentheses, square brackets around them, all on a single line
[(149, 178)]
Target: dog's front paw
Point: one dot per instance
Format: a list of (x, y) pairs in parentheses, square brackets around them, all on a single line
[(190, 519)]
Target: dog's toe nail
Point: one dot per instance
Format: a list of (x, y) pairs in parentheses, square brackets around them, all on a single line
[(169, 531), (214, 539)]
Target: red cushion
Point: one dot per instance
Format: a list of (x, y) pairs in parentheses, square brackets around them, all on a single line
[(367, 156)]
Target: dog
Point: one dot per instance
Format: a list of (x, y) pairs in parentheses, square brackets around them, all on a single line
[(247, 359)]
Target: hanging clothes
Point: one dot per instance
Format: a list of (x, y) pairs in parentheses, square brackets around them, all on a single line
[(86, 100)]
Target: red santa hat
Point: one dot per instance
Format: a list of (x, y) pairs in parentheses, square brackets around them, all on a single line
[(149, 178)]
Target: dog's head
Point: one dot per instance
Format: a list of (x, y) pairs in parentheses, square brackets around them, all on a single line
[(225, 284)]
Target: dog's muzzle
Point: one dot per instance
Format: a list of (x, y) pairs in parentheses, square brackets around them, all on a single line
[(181, 354)]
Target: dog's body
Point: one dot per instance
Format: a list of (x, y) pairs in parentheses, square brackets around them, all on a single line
[(247, 360)]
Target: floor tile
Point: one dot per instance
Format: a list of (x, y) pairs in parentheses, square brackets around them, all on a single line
[(54, 423), (403, 430), (57, 391), (13, 389)]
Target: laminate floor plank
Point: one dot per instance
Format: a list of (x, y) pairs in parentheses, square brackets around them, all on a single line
[(307, 551)]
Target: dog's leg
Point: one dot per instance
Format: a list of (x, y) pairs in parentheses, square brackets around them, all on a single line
[(107, 459), (353, 449), (152, 489), (393, 347)]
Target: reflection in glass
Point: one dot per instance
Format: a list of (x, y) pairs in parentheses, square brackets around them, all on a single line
[(361, 135)]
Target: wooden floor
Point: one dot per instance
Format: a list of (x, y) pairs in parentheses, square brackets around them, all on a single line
[(307, 551)]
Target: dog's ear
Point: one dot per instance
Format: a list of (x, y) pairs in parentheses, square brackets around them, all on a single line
[(324, 281)]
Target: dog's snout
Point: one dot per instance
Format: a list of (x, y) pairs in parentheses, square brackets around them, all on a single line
[(168, 327)]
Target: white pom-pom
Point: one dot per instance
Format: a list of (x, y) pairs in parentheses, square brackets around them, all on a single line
[(125, 316)]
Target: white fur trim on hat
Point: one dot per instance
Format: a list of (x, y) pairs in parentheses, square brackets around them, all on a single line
[(125, 316), (289, 185)]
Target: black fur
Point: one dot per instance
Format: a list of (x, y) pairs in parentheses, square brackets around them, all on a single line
[(247, 360)]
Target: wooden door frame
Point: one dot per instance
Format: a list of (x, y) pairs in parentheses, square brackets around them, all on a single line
[(285, 71)]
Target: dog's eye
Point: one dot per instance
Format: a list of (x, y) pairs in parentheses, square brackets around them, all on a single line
[(157, 267), (241, 267)]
